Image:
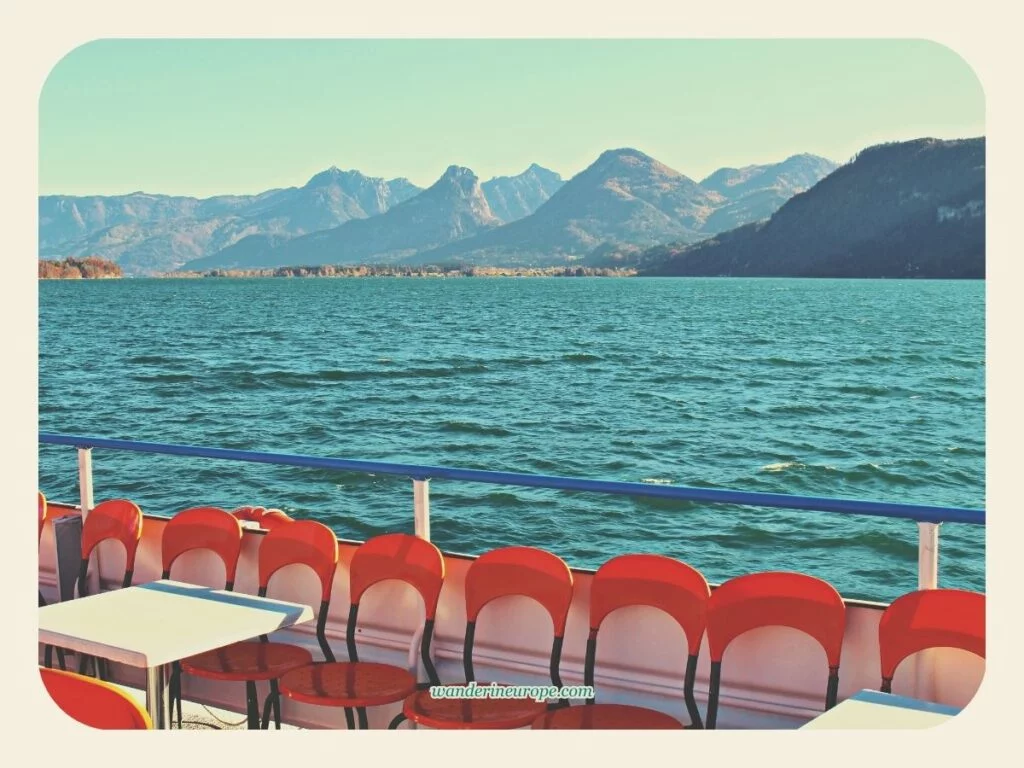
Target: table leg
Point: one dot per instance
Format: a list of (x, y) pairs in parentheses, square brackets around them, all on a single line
[(156, 695)]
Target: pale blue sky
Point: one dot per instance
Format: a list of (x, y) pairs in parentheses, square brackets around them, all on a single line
[(204, 117)]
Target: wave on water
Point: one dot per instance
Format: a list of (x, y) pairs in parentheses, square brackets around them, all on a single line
[(859, 473), (470, 427), (163, 378), (864, 389), (788, 362), (151, 360)]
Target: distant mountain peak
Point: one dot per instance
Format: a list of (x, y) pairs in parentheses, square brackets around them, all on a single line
[(629, 161), (460, 179), (332, 175), (621, 152), (458, 172)]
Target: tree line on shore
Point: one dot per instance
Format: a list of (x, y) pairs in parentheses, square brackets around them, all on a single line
[(380, 270)]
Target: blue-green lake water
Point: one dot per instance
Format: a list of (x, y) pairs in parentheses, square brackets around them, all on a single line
[(856, 389)]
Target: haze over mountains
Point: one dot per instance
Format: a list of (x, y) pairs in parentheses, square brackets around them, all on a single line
[(624, 197)]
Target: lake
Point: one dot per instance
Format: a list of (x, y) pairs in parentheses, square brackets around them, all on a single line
[(858, 389)]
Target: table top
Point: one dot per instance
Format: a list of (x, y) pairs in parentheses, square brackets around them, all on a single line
[(162, 621), (874, 709)]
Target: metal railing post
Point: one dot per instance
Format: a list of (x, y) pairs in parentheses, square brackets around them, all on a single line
[(85, 497), (421, 507), (927, 578), (85, 500), (928, 555)]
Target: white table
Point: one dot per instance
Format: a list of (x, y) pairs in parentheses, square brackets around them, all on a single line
[(873, 709), (151, 625)]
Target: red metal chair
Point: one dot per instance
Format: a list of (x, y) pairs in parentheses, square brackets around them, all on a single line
[(930, 618), (192, 529), (48, 650), (117, 519), (523, 571), (93, 702), (41, 502), (651, 580), (358, 684), (302, 541), (43, 511), (794, 600)]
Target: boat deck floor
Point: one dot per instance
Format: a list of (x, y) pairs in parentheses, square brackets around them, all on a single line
[(201, 717)]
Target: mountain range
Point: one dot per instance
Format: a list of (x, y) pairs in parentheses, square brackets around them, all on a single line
[(903, 209), (624, 198), (453, 207), (151, 233)]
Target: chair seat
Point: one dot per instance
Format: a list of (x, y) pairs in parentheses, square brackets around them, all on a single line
[(606, 717), (249, 660), (424, 709), (348, 684)]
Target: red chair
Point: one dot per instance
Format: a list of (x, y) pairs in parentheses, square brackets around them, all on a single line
[(48, 650), (192, 529), (791, 600), (652, 580), (301, 541), (523, 571), (43, 511), (358, 684), (41, 502), (930, 618), (117, 519), (93, 702)]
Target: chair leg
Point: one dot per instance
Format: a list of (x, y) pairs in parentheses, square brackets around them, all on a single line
[(272, 704), (174, 692), (361, 711), (48, 657), (350, 719), (397, 721), (252, 705), (267, 704), (60, 659)]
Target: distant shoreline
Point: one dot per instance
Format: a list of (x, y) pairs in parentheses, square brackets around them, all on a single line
[(358, 271)]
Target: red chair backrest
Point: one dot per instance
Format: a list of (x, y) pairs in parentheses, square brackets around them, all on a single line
[(272, 518), (265, 518), (931, 618), (248, 513), (524, 571), (657, 581), (118, 519), (93, 702), (41, 500), (794, 600), (301, 541), (203, 528), (401, 557)]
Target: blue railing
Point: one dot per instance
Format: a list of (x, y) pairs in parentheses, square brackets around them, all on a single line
[(417, 472)]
